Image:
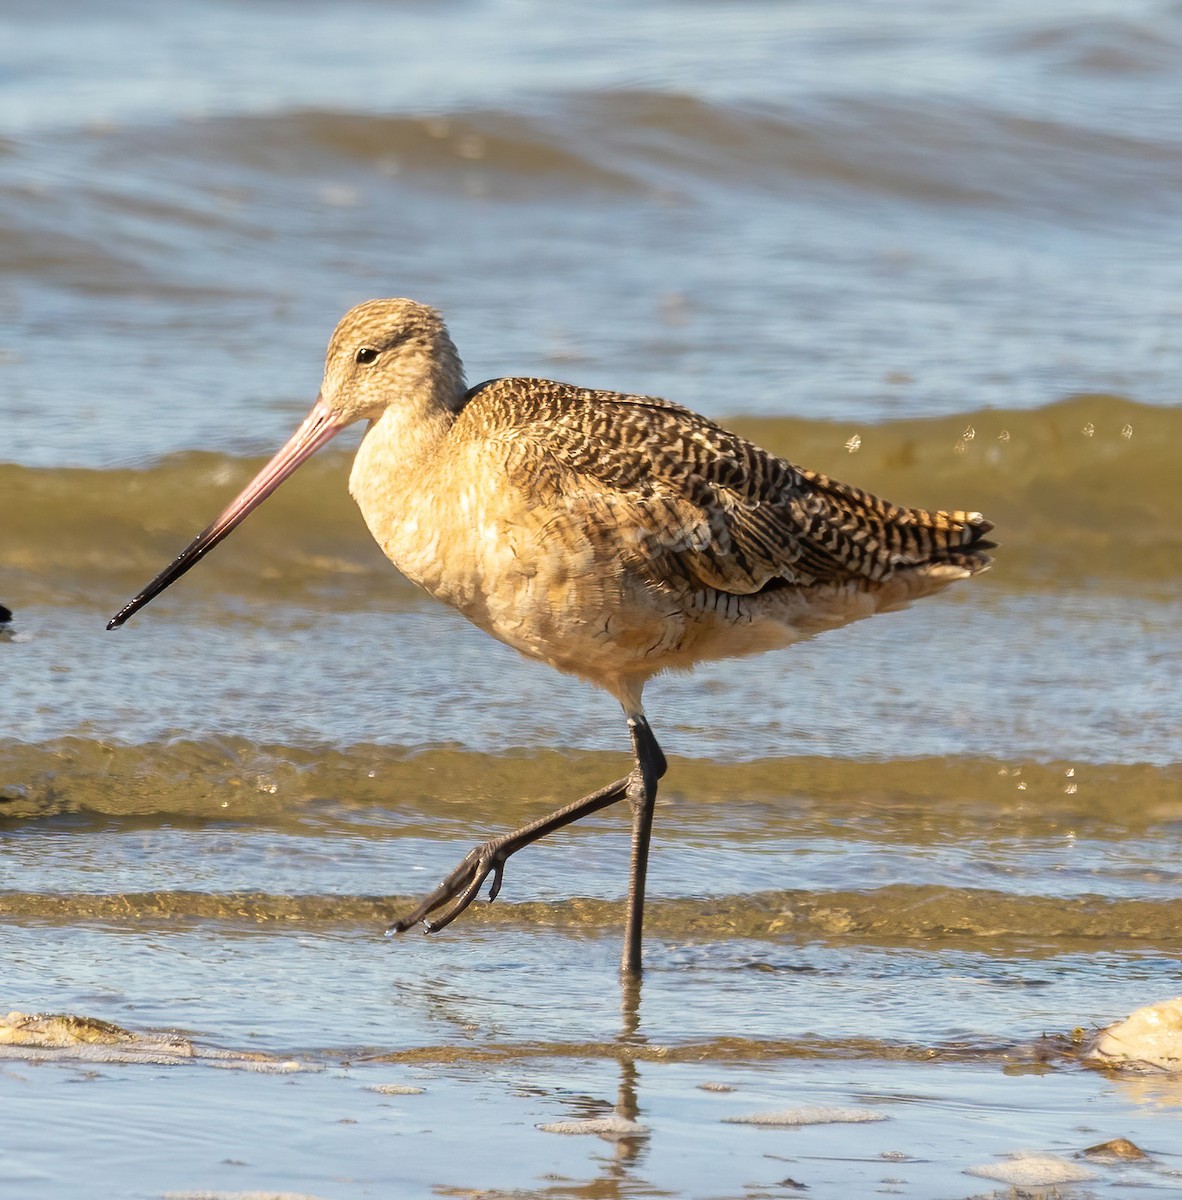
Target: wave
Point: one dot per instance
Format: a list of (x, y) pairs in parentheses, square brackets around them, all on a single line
[(185, 780), (896, 913), (1084, 490), (957, 151)]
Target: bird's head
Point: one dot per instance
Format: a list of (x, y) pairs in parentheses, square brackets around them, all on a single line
[(387, 352), (383, 355)]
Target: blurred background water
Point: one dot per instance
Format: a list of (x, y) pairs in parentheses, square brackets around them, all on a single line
[(930, 250)]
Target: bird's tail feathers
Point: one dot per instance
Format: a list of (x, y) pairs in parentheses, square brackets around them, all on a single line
[(951, 545)]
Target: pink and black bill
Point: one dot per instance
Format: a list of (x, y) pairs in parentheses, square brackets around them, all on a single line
[(319, 427)]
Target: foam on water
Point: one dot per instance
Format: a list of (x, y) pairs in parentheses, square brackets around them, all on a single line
[(788, 1118)]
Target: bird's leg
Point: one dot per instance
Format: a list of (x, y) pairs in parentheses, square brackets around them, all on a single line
[(642, 794), (464, 883), (639, 787)]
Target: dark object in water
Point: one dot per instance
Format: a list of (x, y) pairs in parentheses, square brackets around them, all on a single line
[(5, 615), (1115, 1150)]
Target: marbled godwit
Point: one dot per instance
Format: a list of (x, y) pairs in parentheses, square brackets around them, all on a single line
[(611, 536)]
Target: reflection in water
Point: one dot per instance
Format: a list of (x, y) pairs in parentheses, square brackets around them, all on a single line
[(629, 1148), (623, 1129), (1161, 1091)]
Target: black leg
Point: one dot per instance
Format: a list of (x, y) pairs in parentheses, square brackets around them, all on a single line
[(463, 885), (642, 793)]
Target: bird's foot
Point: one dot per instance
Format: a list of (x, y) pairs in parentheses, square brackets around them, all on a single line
[(462, 886)]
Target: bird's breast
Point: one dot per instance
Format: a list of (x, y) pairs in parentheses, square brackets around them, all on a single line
[(530, 570)]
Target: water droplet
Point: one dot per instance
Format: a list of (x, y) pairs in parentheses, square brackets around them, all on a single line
[(1004, 436), (1088, 430), (1126, 432), (854, 443)]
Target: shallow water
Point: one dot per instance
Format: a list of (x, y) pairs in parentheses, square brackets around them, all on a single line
[(931, 253)]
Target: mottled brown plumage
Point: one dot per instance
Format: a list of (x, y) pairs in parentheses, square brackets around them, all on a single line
[(716, 509), (611, 536)]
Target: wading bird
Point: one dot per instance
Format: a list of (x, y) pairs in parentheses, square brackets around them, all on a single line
[(611, 536)]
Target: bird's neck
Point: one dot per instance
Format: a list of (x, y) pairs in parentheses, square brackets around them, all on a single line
[(402, 449)]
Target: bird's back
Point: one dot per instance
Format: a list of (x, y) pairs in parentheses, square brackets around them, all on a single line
[(699, 502)]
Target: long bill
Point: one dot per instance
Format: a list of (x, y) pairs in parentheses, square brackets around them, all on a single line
[(318, 427)]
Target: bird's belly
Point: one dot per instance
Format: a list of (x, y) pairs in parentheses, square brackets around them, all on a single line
[(605, 622), (572, 610), (567, 606)]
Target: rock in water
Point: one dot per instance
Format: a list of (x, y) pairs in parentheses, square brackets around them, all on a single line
[(1150, 1038)]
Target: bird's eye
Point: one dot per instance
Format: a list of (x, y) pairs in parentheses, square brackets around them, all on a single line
[(366, 355)]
